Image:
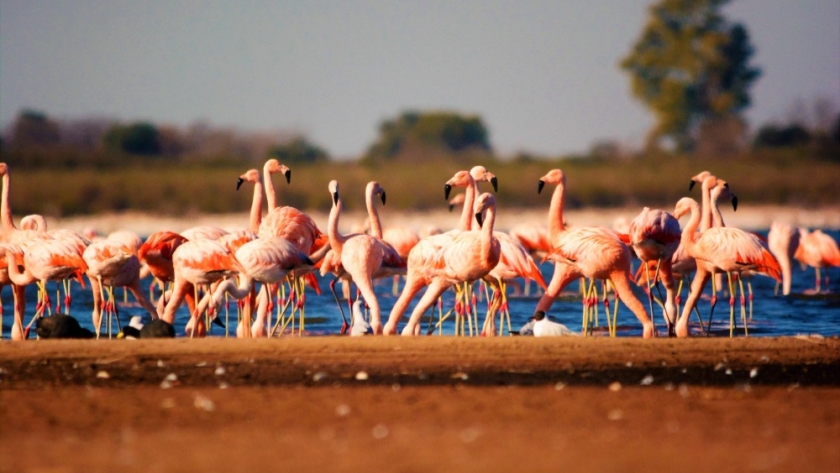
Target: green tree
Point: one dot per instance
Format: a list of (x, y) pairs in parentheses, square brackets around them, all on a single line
[(298, 150), (690, 66), (439, 131), (138, 138)]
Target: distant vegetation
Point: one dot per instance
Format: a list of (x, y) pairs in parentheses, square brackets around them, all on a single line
[(690, 66)]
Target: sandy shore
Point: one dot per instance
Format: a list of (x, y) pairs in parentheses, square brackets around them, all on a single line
[(751, 218), (427, 404)]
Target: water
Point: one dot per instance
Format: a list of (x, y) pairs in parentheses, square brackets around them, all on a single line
[(772, 315)]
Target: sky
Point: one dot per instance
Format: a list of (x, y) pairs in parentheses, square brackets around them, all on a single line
[(542, 75)]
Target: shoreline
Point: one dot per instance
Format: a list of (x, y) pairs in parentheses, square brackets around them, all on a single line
[(753, 218)]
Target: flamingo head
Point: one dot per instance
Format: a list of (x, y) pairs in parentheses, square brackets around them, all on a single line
[(252, 175), (555, 177), (272, 166), (333, 188), (480, 174), (698, 179), (373, 188)]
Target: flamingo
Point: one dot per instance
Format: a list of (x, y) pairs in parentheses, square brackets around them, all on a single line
[(253, 176), (783, 240), (156, 253), (198, 263), (719, 249), (655, 235), (267, 261), (44, 260), (112, 264), (420, 257), (272, 166), (818, 250), (9, 234), (469, 257), (204, 232), (363, 257), (591, 252)]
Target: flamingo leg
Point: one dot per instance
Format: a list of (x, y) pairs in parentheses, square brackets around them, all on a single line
[(743, 304), (731, 305), (713, 302)]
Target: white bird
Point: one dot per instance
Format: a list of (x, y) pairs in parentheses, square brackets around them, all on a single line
[(360, 326), (543, 327)]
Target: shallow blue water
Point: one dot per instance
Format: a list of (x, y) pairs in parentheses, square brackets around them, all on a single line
[(772, 315)]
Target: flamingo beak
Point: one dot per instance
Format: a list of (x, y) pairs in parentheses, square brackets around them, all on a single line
[(446, 190), (288, 175), (451, 207), (239, 183), (335, 198), (540, 187), (691, 185), (495, 182), (734, 203), (383, 197), (479, 219)]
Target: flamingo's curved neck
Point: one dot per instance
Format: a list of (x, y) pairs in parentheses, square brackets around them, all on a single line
[(6, 208), (469, 199), (717, 217), (373, 214), (270, 195), (687, 239), (256, 207), (336, 239), (228, 286), (706, 220), (555, 212), (487, 234), (21, 279)]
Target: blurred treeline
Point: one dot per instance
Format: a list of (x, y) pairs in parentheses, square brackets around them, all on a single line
[(87, 166)]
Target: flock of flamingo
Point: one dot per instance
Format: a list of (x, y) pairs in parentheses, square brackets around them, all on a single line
[(284, 250)]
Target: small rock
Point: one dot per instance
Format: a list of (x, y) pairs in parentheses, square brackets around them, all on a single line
[(615, 386), (461, 375), (684, 390), (728, 371), (719, 366), (201, 363), (223, 385), (629, 364), (342, 410), (615, 414), (165, 384), (161, 364), (361, 376), (396, 387), (793, 387), (559, 386), (753, 372), (220, 370), (103, 375), (380, 432), (204, 403), (171, 377), (319, 376), (647, 380)]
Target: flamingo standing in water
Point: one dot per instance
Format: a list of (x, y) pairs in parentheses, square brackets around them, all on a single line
[(363, 257), (469, 257), (111, 264), (198, 263), (7, 235), (655, 236), (818, 250), (420, 257), (590, 252), (156, 253), (719, 249), (783, 240)]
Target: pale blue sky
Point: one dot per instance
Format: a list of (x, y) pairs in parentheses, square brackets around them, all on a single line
[(543, 75)]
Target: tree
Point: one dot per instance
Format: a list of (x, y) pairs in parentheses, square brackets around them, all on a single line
[(436, 131), (33, 128), (298, 150), (690, 66), (138, 138), (772, 136)]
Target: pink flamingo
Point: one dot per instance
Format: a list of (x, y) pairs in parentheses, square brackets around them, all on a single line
[(111, 264), (818, 250), (469, 257), (591, 252), (204, 232), (719, 249), (198, 263), (655, 236), (11, 234), (783, 240), (420, 257), (363, 257)]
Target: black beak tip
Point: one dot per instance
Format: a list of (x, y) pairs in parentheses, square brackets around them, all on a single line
[(335, 198), (239, 183), (383, 197), (451, 207), (288, 175), (479, 219), (446, 190), (495, 182), (540, 187), (734, 203), (691, 185)]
